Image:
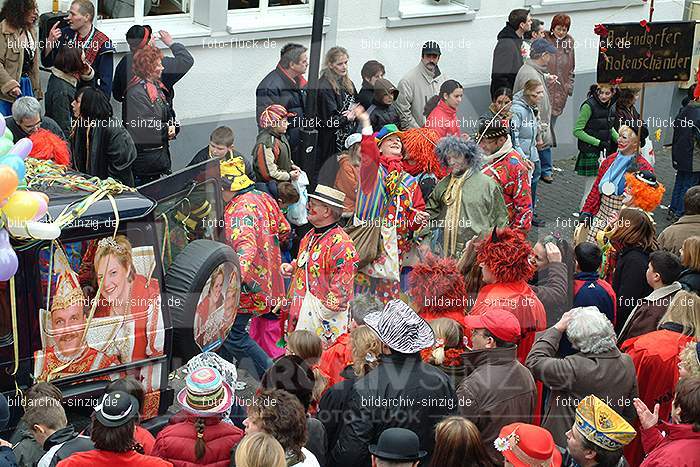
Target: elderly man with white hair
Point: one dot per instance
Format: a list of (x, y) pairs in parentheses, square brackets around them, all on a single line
[(27, 117), (597, 368)]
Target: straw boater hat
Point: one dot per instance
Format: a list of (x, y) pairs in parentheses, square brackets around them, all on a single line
[(329, 196), (400, 328), (205, 393), (601, 425)]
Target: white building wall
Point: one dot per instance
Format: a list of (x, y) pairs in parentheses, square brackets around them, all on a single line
[(223, 80), (220, 89)]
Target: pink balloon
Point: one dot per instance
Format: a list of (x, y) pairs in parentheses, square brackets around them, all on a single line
[(43, 207), (22, 148), (8, 258)]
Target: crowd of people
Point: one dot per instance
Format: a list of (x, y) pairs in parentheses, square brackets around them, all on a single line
[(392, 308)]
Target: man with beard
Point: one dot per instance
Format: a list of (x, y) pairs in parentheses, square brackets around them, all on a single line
[(70, 355), (463, 204), (419, 85)]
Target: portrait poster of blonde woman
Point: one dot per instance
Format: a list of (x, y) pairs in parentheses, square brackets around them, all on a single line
[(216, 308)]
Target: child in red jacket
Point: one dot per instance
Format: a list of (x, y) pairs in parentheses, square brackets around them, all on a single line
[(198, 435)]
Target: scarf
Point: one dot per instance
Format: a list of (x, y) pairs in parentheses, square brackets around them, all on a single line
[(154, 91), (453, 200), (496, 157), (616, 173), (391, 163), (92, 44)]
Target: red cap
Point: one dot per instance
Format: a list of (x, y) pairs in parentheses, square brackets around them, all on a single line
[(526, 445), (273, 114), (499, 322)]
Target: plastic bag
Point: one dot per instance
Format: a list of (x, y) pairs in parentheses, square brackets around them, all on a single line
[(296, 213)]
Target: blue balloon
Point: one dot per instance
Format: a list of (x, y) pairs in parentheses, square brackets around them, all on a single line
[(15, 163)]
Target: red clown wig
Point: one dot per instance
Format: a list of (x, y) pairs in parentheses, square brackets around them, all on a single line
[(437, 277), (507, 254), (47, 146)]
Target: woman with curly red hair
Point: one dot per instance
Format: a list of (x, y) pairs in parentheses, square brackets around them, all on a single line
[(149, 116), (506, 261)]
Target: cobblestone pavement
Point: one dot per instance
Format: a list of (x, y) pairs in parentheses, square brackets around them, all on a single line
[(559, 201)]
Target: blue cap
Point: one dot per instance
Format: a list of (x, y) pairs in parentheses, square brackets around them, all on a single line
[(541, 46)]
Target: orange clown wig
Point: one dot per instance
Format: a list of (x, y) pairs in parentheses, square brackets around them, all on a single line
[(646, 192), (419, 149)]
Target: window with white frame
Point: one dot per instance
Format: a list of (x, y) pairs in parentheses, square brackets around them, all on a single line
[(137, 9), (263, 5)]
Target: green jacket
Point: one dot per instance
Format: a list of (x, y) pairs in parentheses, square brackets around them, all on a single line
[(482, 209)]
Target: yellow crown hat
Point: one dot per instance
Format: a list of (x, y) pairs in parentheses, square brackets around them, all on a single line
[(601, 425), (233, 170)]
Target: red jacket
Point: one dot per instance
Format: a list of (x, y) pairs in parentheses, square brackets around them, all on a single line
[(112, 459), (176, 442), (655, 358), (335, 358), (145, 439), (443, 119), (675, 449)]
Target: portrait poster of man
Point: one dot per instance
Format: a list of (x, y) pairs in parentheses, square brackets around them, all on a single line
[(121, 315), (216, 308)]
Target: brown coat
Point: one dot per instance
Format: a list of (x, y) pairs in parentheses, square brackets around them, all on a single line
[(672, 238), (646, 316), (347, 181), (498, 390), (609, 375), (12, 59), (561, 64)]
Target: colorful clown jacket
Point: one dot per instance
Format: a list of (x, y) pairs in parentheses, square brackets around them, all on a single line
[(326, 267), (255, 226), (388, 193), (509, 171)]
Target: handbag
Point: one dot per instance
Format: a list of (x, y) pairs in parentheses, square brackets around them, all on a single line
[(367, 238)]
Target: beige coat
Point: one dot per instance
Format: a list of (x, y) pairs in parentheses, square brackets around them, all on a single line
[(415, 89), (12, 59), (672, 238), (530, 71)]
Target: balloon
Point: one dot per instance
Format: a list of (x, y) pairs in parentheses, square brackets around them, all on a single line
[(3, 126), (8, 181), (15, 163), (8, 258), (43, 205), (5, 146), (36, 230), (9, 136), (21, 206), (22, 148)]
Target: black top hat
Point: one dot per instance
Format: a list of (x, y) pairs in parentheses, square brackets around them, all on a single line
[(398, 444), (116, 409)]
